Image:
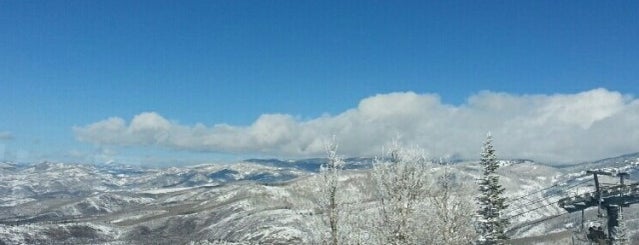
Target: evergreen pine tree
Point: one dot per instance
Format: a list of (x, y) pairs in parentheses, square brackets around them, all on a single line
[(490, 223)]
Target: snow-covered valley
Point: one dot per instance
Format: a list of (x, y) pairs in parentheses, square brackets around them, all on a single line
[(252, 202)]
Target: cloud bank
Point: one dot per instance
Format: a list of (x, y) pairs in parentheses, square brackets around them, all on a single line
[(558, 128)]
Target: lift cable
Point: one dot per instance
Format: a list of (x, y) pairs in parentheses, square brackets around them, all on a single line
[(528, 211), (547, 218), (534, 192), (524, 205), (537, 221)]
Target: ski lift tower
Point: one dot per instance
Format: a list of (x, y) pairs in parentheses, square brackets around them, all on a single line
[(610, 198)]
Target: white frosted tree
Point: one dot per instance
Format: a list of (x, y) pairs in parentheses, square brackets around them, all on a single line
[(490, 223), (450, 202), (409, 200), (401, 181), (329, 188)]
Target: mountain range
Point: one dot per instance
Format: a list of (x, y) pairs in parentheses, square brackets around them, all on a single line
[(256, 201)]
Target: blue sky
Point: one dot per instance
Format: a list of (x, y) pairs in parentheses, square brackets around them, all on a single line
[(66, 65)]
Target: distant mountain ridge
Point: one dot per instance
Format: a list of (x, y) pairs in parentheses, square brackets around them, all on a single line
[(313, 164), (106, 203)]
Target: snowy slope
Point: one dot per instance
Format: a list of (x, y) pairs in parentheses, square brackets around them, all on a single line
[(256, 201)]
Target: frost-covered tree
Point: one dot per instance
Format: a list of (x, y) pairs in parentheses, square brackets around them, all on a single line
[(450, 202), (401, 181), (329, 201), (490, 223)]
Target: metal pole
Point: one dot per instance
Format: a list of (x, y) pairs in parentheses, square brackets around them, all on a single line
[(613, 223), (598, 194), (582, 220)]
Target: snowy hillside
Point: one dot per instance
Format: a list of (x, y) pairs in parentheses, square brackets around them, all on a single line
[(252, 202)]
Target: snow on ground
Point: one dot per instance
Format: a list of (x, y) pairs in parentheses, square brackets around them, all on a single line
[(277, 192), (11, 202), (13, 234), (165, 190), (534, 231), (140, 215), (223, 208), (226, 196)]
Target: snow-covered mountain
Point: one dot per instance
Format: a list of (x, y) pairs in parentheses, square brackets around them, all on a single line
[(251, 202)]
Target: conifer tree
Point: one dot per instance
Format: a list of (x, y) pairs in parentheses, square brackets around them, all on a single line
[(491, 223)]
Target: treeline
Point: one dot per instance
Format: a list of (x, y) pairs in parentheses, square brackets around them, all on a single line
[(415, 200)]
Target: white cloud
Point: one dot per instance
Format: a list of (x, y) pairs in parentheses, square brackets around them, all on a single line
[(5, 135), (554, 128)]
